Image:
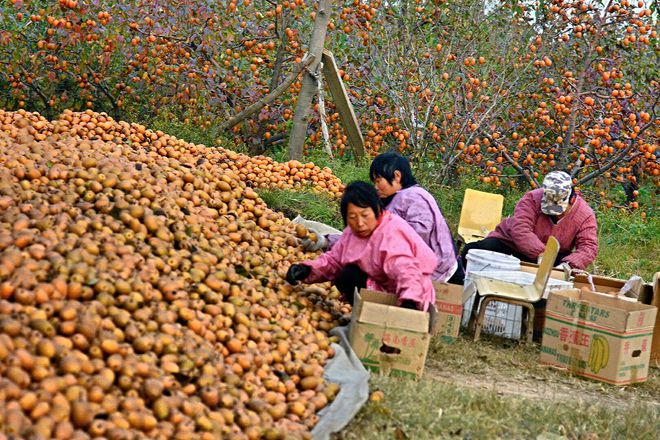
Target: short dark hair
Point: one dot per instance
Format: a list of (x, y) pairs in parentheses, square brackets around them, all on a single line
[(360, 194), (384, 165)]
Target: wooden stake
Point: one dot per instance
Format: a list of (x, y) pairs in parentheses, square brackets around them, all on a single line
[(343, 104)]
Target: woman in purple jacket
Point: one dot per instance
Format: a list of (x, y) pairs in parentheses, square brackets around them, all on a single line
[(557, 210), (391, 174)]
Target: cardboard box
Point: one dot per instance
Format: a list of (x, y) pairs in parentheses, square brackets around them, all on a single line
[(598, 336), (611, 286), (449, 305), (601, 284), (655, 300), (387, 338)]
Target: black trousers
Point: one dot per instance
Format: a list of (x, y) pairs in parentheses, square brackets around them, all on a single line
[(350, 278), (459, 275), (497, 245)]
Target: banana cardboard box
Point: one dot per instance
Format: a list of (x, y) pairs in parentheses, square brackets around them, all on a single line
[(598, 336), (386, 338)]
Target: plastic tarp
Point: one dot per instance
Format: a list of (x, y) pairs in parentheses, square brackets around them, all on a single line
[(346, 370), (322, 228)]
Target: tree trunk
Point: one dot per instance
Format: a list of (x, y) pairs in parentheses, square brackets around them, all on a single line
[(308, 87)]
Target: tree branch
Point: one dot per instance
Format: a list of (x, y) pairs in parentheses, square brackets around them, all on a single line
[(306, 61), (528, 175), (616, 159), (106, 92), (38, 91)]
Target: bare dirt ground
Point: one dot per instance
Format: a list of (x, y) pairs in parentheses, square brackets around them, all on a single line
[(539, 388), (512, 369)]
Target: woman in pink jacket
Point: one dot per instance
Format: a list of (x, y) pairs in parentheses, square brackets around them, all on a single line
[(400, 194), (557, 210), (377, 250)]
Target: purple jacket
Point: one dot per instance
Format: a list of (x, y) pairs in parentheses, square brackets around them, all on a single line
[(395, 259), (418, 207), (528, 230)]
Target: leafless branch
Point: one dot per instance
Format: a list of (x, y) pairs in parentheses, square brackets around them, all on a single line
[(304, 63)]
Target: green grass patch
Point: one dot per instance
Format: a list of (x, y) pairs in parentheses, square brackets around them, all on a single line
[(311, 205), (628, 244), (495, 388), (428, 409)]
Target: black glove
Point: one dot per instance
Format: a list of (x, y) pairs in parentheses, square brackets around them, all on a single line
[(297, 272), (409, 304)]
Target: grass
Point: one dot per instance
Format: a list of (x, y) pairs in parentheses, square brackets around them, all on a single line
[(506, 360), (312, 206), (628, 244), (496, 389), (429, 409)]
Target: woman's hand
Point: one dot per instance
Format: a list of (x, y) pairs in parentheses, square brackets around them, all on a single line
[(297, 272), (321, 243)]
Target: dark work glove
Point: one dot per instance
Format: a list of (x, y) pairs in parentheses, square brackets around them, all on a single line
[(409, 304), (297, 272)]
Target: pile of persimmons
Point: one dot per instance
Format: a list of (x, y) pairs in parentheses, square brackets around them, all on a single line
[(141, 289)]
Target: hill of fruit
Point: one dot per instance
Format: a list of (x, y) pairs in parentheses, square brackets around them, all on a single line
[(141, 288)]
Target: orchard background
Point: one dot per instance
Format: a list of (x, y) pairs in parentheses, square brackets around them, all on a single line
[(488, 95), (507, 90)]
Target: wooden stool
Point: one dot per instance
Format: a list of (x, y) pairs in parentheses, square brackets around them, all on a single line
[(527, 324)]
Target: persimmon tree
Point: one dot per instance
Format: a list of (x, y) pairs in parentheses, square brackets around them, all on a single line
[(437, 78), (509, 90), (594, 112), (203, 61)]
